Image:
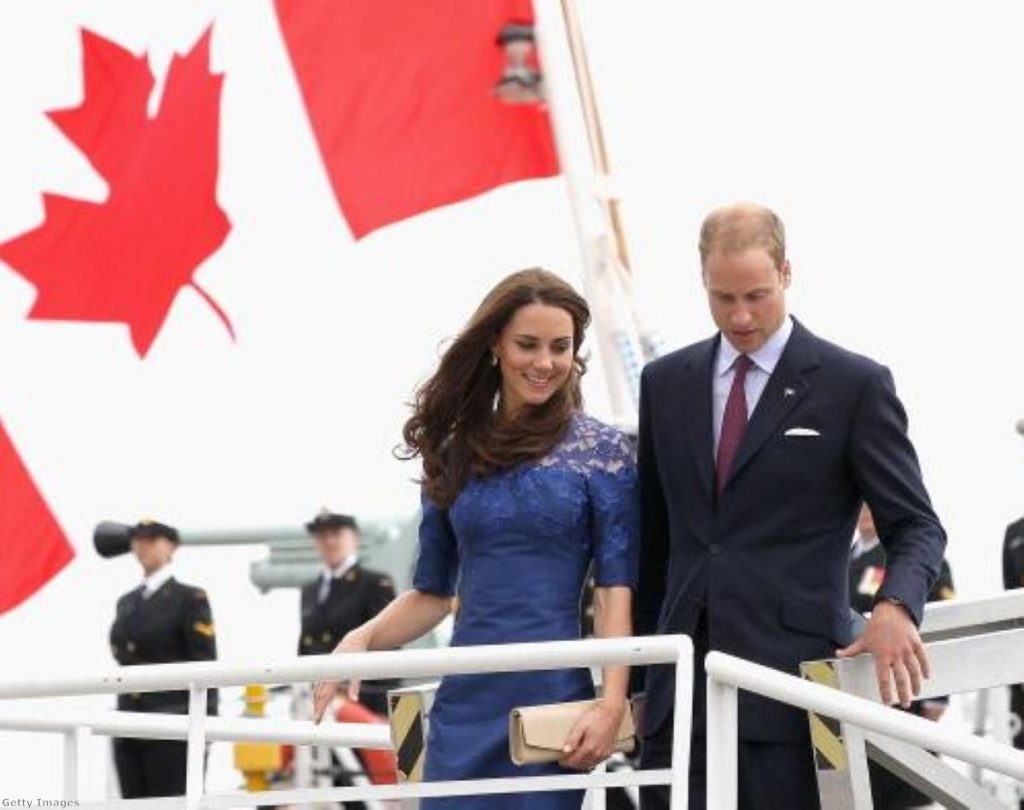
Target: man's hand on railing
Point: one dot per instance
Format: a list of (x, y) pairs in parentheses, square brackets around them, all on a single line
[(900, 656), (324, 692), (592, 739)]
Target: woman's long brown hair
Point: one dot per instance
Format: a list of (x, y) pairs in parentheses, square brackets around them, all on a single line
[(455, 426)]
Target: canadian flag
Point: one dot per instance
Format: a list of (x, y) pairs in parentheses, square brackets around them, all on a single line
[(233, 237), (185, 260)]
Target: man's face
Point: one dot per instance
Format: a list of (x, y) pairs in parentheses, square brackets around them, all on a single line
[(747, 295), (336, 545), (153, 552)]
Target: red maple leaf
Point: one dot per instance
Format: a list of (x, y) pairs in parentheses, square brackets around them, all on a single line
[(33, 546), (125, 259)]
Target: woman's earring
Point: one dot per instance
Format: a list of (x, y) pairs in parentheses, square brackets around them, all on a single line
[(494, 359)]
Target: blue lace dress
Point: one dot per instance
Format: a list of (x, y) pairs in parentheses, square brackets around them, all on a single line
[(516, 547)]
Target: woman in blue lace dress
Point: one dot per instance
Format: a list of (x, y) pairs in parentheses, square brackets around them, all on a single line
[(522, 495)]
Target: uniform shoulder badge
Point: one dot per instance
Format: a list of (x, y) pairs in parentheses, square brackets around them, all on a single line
[(871, 580), (204, 628)]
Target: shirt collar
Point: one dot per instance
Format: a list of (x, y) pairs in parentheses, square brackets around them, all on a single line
[(152, 583), (341, 570), (766, 358)]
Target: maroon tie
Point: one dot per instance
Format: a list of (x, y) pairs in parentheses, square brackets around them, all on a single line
[(734, 422)]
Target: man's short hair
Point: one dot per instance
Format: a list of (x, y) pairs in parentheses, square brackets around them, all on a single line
[(736, 228)]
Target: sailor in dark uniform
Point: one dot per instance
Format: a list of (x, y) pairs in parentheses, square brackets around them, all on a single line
[(161, 621), (867, 570), (1013, 577), (343, 597)]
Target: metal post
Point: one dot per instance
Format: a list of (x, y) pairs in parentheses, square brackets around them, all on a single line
[(682, 725), (980, 715), (595, 799), (196, 747), (74, 738), (302, 765), (1006, 790), (616, 335), (723, 745)]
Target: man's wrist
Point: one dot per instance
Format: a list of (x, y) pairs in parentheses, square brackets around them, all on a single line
[(894, 600)]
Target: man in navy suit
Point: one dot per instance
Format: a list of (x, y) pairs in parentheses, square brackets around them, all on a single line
[(756, 449)]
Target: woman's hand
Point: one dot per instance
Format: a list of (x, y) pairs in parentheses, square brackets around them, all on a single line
[(325, 691), (592, 739)]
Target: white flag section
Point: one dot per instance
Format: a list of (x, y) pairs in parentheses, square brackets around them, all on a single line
[(888, 139), (301, 409)]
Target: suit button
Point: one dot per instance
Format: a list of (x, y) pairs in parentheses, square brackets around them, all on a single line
[(326, 637), (715, 549), (130, 646)]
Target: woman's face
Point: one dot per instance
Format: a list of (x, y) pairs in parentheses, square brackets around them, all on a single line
[(535, 353)]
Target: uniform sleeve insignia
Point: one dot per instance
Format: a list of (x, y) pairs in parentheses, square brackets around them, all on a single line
[(871, 580), (204, 628)]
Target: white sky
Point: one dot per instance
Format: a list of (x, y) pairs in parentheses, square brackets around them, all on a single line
[(886, 135)]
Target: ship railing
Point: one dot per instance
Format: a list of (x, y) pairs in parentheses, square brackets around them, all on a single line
[(197, 728), (974, 646)]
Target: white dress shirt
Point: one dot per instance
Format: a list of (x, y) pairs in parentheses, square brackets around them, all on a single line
[(152, 583), (764, 361), (329, 574)]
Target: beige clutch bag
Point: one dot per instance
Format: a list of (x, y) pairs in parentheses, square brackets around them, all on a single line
[(538, 733)]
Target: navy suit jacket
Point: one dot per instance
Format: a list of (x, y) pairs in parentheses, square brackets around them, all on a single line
[(767, 561)]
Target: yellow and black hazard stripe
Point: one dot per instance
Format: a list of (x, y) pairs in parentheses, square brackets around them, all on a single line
[(408, 735), (826, 732)]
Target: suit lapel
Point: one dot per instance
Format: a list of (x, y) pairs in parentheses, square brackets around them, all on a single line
[(695, 391), (786, 387)]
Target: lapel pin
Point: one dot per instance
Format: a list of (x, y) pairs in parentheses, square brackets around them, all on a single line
[(788, 392)]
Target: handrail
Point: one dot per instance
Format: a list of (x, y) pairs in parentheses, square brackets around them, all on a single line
[(364, 666), (466, 787), (154, 726), (955, 617), (727, 673), (197, 677)]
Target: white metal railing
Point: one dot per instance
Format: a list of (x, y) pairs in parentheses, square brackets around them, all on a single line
[(955, 617), (197, 728), (218, 729), (727, 674), (977, 647), (75, 728)]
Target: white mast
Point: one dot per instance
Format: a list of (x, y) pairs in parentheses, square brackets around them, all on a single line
[(623, 343)]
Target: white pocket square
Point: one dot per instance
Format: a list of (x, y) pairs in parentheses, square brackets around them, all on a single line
[(802, 432)]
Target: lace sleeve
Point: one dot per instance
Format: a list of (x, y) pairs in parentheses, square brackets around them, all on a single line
[(614, 510), (437, 557)]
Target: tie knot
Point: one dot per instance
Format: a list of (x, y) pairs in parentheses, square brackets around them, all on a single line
[(742, 365)]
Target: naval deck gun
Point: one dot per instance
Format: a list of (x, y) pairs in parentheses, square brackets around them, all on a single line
[(387, 545)]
